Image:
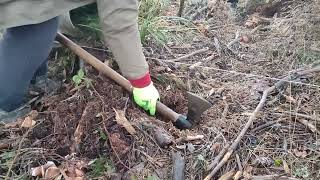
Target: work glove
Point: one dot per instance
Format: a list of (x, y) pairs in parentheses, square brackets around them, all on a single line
[(145, 94)]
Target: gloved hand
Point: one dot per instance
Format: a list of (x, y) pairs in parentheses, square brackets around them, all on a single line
[(145, 94), (146, 98)]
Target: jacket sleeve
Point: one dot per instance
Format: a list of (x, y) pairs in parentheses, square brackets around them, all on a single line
[(119, 20)]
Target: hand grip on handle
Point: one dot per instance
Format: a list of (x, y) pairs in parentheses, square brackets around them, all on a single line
[(179, 120)]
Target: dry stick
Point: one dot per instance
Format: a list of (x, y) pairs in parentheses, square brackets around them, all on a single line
[(18, 153), (181, 7), (189, 55), (253, 117), (272, 177), (218, 157), (115, 152), (313, 118)]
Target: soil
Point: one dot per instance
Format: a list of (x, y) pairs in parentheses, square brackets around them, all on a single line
[(232, 79)]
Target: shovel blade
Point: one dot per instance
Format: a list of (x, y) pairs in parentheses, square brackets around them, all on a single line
[(196, 106)]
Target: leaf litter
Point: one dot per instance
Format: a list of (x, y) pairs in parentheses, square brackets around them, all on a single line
[(267, 47)]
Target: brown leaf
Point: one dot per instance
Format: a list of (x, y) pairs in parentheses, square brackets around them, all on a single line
[(122, 120), (286, 167), (29, 121), (119, 145), (52, 172), (301, 154), (290, 99), (40, 170)]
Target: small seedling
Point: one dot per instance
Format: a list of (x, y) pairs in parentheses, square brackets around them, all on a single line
[(278, 162), (80, 78), (100, 166)]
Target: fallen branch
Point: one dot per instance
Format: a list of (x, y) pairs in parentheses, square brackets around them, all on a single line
[(263, 100), (189, 55), (309, 125), (181, 7), (79, 130), (189, 138), (313, 118), (272, 177), (218, 157)]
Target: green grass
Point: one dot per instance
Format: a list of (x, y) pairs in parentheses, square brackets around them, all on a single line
[(152, 24)]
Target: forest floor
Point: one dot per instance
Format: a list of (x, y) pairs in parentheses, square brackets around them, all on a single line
[(94, 129)]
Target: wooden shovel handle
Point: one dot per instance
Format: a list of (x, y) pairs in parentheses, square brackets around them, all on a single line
[(112, 74)]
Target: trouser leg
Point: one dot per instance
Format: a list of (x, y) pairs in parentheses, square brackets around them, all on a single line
[(23, 50)]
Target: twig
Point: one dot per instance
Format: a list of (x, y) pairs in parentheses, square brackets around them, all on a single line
[(235, 40), (218, 157), (189, 138), (17, 153), (189, 55), (309, 125), (253, 117), (181, 7), (267, 124), (313, 118), (272, 177), (239, 162), (198, 12), (111, 145), (79, 131)]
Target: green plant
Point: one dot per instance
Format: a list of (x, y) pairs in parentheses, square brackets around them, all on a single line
[(278, 162), (80, 78), (100, 166), (151, 178), (5, 159), (301, 172)]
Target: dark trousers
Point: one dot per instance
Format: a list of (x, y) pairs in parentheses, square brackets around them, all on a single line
[(23, 54)]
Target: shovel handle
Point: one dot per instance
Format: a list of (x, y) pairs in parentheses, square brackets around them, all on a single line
[(112, 74)]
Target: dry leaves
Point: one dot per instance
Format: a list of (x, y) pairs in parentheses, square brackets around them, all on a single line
[(47, 171), (50, 171), (29, 121), (300, 153), (122, 120), (286, 168)]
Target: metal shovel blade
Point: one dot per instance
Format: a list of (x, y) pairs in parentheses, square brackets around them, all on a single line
[(196, 106)]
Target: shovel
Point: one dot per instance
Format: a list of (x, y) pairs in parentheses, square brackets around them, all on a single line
[(196, 104)]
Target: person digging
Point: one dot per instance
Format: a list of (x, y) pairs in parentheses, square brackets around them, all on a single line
[(31, 27)]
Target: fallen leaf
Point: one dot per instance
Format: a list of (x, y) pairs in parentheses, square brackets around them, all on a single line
[(40, 170), (52, 172), (190, 147), (13, 124), (263, 162), (301, 154), (28, 122), (290, 99), (122, 120), (245, 39), (119, 145), (286, 167), (215, 147)]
